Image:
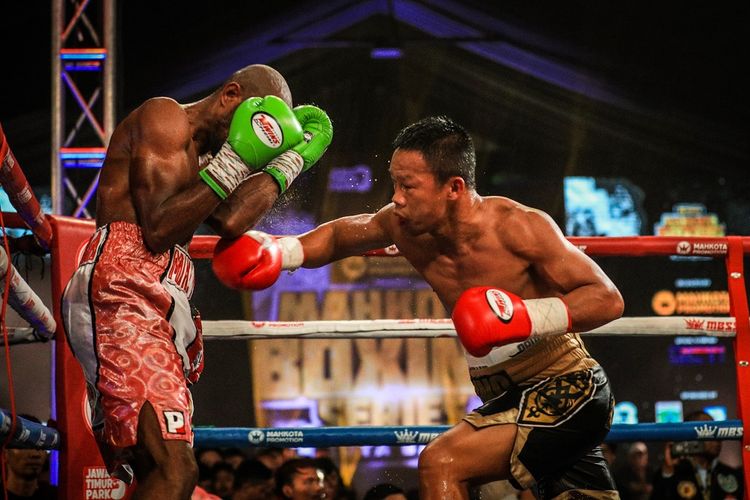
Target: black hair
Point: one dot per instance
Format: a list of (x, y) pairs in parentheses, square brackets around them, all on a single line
[(221, 466), (285, 474), (446, 146), (272, 451), (697, 415), (251, 471), (381, 491), (327, 465), (232, 452)]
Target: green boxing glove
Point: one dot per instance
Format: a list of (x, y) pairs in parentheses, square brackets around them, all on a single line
[(261, 128), (318, 132)]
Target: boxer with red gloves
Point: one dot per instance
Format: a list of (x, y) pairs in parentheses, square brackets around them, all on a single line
[(517, 289), (223, 160)]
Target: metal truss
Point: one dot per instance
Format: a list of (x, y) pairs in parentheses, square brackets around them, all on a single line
[(83, 65)]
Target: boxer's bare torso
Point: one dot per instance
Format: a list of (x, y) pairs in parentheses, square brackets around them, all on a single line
[(462, 240), (152, 156)]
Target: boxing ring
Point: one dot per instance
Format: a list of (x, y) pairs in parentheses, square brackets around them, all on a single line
[(79, 465)]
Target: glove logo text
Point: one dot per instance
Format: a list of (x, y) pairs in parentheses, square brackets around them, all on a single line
[(500, 304), (267, 129)]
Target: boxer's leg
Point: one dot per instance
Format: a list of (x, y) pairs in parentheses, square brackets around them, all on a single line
[(164, 469), (464, 454)]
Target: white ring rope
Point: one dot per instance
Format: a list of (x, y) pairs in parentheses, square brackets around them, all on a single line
[(24, 335), (24, 301), (431, 328)]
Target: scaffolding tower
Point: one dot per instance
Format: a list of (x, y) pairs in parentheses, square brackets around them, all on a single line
[(83, 94)]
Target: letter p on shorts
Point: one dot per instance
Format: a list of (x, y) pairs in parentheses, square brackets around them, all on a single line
[(175, 421)]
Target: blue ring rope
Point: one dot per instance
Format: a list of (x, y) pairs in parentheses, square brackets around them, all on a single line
[(320, 437), (33, 435), (28, 434)]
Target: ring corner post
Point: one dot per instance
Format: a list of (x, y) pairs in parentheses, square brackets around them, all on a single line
[(79, 454), (738, 305)]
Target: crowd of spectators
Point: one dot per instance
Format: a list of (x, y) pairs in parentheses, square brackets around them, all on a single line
[(267, 474)]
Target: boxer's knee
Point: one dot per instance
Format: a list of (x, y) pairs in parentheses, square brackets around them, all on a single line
[(178, 467), (437, 459), (172, 461)]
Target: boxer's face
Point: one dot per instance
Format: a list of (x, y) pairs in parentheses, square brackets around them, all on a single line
[(220, 131), (419, 199)]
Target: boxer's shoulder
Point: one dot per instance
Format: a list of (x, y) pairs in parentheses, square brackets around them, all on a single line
[(160, 115), (522, 227)]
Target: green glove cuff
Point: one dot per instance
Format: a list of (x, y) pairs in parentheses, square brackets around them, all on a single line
[(213, 184), (285, 168)]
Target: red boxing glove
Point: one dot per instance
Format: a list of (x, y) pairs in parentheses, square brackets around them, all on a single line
[(486, 317), (252, 261)]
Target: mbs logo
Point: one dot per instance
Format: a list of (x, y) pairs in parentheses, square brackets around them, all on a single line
[(553, 401)]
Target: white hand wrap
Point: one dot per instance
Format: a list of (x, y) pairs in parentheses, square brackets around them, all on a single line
[(285, 168), (225, 171), (548, 316), (292, 255)]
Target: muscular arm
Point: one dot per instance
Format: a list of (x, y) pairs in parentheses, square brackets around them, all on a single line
[(245, 206), (169, 198), (346, 237), (591, 297)]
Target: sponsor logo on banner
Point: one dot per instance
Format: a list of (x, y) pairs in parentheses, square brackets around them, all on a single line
[(729, 432), (667, 303), (25, 434), (684, 248), (720, 325), (687, 489), (97, 483), (500, 303), (701, 248), (706, 431), (284, 436), (406, 436), (727, 482), (267, 129), (256, 436), (709, 248), (42, 438), (175, 422), (8, 161)]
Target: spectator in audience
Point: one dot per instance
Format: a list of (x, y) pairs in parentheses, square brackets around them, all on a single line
[(234, 457), (633, 479), (300, 479), (208, 456), (334, 486), (694, 472), (385, 491), (204, 476), (609, 450), (222, 479), (24, 469), (253, 481), (271, 457)]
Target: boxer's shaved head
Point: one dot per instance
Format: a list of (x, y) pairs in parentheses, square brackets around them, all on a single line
[(259, 80)]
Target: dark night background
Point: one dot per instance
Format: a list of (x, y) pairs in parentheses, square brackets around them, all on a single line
[(675, 124)]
